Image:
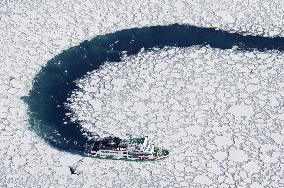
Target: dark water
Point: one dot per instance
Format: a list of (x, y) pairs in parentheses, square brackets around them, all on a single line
[(55, 82)]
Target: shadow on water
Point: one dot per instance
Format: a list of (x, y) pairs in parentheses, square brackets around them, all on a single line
[(55, 81)]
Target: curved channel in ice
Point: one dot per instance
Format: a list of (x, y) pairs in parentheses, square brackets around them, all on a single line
[(54, 84)]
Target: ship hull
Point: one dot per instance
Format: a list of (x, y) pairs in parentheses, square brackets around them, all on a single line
[(127, 159)]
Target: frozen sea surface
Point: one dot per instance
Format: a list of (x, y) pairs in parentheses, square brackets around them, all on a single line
[(245, 149)]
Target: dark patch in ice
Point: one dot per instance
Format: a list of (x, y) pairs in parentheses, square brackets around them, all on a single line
[(55, 82)]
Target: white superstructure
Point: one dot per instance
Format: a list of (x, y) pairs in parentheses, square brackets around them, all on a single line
[(129, 149)]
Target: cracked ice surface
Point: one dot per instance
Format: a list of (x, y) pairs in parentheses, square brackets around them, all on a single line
[(33, 32), (195, 102)]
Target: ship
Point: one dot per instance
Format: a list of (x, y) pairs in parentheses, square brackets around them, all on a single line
[(132, 148)]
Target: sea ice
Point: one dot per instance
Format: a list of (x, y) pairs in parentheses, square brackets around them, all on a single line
[(241, 110), (238, 155), (202, 179), (32, 32)]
